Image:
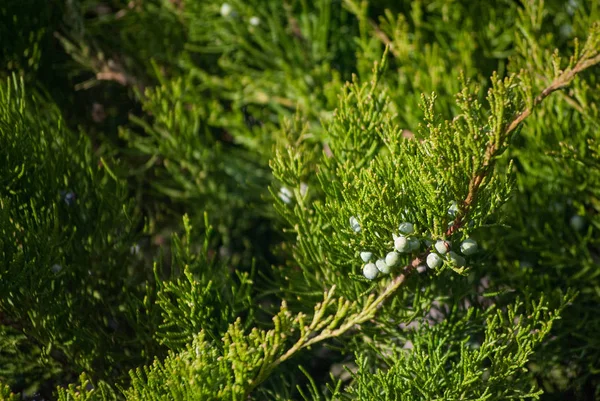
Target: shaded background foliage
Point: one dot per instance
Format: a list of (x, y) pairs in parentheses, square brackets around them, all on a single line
[(146, 111)]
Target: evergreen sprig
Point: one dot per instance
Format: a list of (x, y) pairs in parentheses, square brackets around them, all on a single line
[(471, 147), (476, 365)]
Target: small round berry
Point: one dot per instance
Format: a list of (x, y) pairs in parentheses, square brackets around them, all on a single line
[(577, 222), (456, 259), (226, 10), (442, 247), (382, 266), (370, 271), (69, 197), (468, 247), (354, 224), (285, 195), (401, 244), (453, 209), (254, 21), (391, 259), (406, 228), (434, 261), (414, 244), (366, 256), (56, 268), (421, 269)]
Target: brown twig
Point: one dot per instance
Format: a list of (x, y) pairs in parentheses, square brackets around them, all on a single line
[(477, 180)]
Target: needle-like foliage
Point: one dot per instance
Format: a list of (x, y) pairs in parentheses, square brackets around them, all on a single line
[(295, 200)]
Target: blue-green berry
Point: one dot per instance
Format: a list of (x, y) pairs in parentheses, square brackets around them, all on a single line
[(382, 266), (406, 228), (391, 259), (468, 247), (414, 244), (401, 244), (366, 256), (434, 261), (456, 259), (226, 10), (69, 197), (355, 224), (370, 271), (442, 247), (453, 209), (285, 195), (577, 222)]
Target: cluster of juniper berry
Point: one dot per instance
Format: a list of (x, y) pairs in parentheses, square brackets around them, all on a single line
[(407, 242)]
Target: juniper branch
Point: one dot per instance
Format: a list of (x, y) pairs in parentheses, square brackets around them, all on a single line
[(309, 337), (368, 312), (493, 147), (324, 327)]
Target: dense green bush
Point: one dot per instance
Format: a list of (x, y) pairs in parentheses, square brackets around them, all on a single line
[(294, 200)]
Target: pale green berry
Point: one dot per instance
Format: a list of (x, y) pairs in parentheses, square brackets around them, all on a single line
[(382, 266), (226, 10), (401, 244), (366, 256), (406, 228), (577, 222), (391, 259), (370, 271), (468, 247), (285, 195), (354, 224), (254, 21), (442, 247), (414, 244), (453, 209), (434, 261), (456, 259)]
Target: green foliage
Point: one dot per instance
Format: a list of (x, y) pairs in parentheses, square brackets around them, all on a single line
[(5, 393), (205, 298), (87, 391), (477, 361), (66, 232), (23, 35), (316, 138)]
